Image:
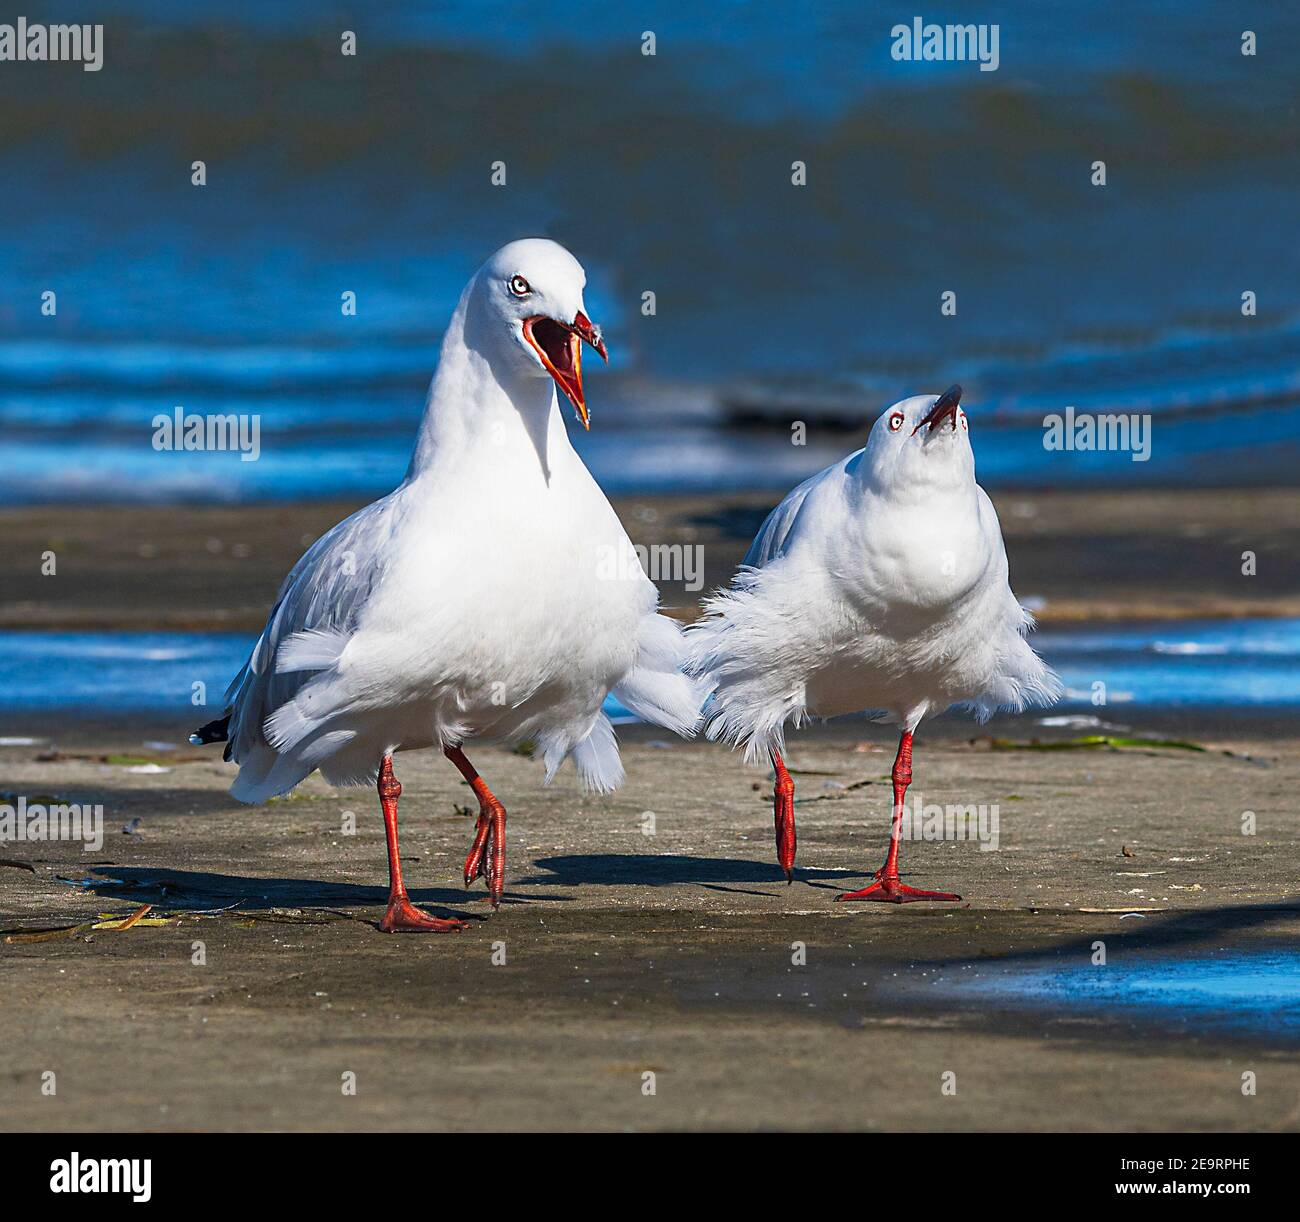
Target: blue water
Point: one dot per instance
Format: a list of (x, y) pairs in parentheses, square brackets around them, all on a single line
[(135, 672), (1251, 664), (1254, 990), (1229, 663), (667, 174)]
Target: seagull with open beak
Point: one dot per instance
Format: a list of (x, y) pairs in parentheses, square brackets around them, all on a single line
[(558, 346), (493, 597), (880, 584)]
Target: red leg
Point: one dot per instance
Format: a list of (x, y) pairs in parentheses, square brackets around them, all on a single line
[(487, 855), (402, 915), (887, 888), (783, 813)]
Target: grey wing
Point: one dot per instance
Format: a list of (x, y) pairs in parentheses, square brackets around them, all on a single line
[(774, 534), (322, 597)]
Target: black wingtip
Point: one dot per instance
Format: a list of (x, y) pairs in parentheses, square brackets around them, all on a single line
[(214, 732)]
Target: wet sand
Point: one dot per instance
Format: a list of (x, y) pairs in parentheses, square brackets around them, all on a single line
[(627, 953), (1095, 555)]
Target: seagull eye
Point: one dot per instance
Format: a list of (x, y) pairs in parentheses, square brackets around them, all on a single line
[(895, 422), (962, 417), (519, 286)]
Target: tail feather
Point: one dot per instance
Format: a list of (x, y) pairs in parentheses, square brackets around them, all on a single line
[(655, 689), (265, 774), (596, 758)]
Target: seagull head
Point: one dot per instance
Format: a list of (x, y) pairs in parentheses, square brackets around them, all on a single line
[(532, 290), (921, 442)]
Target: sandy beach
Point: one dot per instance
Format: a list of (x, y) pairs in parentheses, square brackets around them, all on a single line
[(620, 953), (1104, 555), (268, 266)]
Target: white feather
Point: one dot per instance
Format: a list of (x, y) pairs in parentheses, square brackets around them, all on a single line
[(879, 585), (655, 689), (489, 598), (316, 649)]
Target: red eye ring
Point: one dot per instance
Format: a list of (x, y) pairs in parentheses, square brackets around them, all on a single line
[(895, 422), (962, 417), (519, 286)]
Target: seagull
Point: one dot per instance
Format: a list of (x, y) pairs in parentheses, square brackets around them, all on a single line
[(492, 597), (880, 584)]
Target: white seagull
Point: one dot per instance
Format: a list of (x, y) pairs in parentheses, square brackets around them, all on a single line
[(492, 597), (879, 584)]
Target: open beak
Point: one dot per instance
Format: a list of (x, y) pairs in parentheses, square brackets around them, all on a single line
[(945, 408), (559, 345)]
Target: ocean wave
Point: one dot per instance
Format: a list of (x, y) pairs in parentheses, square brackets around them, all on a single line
[(161, 365), (668, 175), (1210, 640)]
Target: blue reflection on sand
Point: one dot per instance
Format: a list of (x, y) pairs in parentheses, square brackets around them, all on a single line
[(92, 673), (1238, 663), (1258, 989)]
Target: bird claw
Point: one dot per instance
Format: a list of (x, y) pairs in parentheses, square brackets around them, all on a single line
[(474, 862), (891, 891), (487, 855), (404, 917), (494, 858)]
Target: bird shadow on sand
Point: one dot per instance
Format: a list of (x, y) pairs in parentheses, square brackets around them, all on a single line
[(658, 870), (198, 891), (130, 801)]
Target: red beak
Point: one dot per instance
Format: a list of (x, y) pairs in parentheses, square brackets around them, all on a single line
[(945, 408), (559, 345), (583, 328)]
